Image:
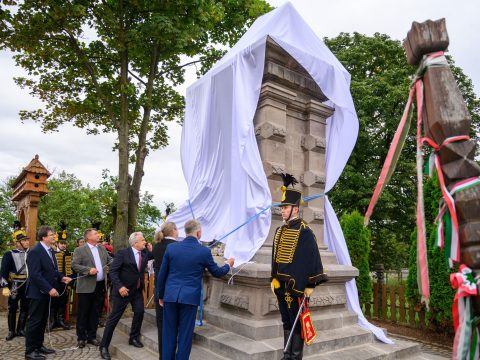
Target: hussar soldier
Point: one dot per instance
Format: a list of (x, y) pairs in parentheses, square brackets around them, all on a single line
[(13, 276), (296, 266), (64, 262)]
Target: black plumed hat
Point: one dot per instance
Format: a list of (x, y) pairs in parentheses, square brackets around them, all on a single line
[(290, 196)]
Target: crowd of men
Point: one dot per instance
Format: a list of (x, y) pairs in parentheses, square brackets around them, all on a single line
[(38, 281)]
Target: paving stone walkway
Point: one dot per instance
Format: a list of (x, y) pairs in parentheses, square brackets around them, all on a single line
[(64, 341)]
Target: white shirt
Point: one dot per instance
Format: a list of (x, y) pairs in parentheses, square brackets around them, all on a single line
[(47, 249), (98, 262)]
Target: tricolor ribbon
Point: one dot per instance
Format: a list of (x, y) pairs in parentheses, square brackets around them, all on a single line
[(393, 154), (447, 231), (466, 344)]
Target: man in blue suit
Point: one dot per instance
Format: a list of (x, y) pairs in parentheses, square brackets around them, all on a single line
[(179, 287), (43, 277)]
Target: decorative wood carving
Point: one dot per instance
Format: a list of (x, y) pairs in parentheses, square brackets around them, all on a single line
[(28, 188)]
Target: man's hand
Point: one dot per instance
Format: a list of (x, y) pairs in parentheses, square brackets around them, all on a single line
[(230, 262), (53, 293), (66, 279), (149, 247), (123, 291), (160, 302), (93, 271)]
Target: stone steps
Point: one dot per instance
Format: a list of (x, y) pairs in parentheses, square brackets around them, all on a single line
[(372, 351), (120, 350), (213, 343), (263, 329), (238, 347)]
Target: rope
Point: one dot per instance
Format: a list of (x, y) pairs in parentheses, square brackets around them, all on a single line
[(191, 209), (230, 281), (251, 218)]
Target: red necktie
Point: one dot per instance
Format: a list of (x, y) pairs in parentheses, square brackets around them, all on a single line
[(139, 268)]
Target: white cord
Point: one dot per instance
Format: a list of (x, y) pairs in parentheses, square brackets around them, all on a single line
[(230, 281)]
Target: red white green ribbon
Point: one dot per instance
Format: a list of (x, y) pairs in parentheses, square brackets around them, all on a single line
[(447, 234), (422, 264), (466, 344), (391, 162)]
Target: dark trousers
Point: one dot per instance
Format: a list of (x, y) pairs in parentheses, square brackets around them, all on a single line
[(288, 314), (118, 307), (36, 322), (159, 316), (21, 298), (178, 325), (88, 312)]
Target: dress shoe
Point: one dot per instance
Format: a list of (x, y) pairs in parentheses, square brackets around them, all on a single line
[(45, 350), (81, 344), (10, 335), (135, 342), (34, 355), (94, 342), (104, 353)]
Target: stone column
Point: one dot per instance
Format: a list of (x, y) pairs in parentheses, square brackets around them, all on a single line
[(290, 125)]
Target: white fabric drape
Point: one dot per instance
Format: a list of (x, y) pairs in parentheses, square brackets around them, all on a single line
[(220, 157)]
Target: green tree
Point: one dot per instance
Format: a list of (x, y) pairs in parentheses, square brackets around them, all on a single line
[(380, 79), (112, 66), (7, 216), (357, 237), (79, 206)]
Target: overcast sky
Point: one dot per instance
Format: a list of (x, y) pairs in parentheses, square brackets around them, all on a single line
[(72, 150)]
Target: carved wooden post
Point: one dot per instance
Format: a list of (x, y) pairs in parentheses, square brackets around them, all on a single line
[(446, 115), (28, 188)]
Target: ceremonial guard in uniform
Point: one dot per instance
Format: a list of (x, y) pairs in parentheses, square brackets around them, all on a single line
[(59, 304), (13, 276), (296, 266)]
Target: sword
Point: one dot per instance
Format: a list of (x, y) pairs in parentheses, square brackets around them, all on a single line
[(294, 323)]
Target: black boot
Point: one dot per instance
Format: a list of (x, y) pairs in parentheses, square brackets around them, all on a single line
[(11, 326), (22, 320), (61, 320), (287, 354), (297, 346)]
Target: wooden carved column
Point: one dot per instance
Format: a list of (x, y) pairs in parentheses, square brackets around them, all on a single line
[(28, 188), (446, 115)]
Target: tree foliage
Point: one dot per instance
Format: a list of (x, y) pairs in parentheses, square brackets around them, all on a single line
[(357, 237), (7, 215), (78, 206), (112, 66), (380, 80)]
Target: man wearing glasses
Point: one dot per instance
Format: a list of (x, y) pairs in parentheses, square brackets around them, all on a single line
[(43, 277)]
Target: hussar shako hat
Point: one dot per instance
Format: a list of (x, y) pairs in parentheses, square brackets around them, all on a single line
[(18, 232), (290, 196)]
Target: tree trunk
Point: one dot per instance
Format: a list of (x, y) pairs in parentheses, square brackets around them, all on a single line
[(120, 237), (142, 150)]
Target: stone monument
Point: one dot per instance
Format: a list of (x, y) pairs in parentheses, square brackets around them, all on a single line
[(240, 315)]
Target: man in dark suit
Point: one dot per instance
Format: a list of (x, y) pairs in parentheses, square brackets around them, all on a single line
[(43, 276), (127, 274), (179, 287), (90, 262)]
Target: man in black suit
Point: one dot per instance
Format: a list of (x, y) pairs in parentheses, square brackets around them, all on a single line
[(127, 275), (43, 277)]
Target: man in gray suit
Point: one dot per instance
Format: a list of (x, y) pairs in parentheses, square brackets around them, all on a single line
[(90, 263)]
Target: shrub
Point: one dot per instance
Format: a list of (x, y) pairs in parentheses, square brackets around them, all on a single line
[(357, 237)]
